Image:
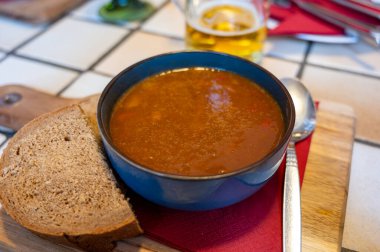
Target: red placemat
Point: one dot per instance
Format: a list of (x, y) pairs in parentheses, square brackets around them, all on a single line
[(251, 225), (293, 20)]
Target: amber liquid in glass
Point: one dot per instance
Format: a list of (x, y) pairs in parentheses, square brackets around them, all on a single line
[(229, 27)]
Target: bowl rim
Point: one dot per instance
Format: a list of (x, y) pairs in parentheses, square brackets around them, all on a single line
[(107, 139)]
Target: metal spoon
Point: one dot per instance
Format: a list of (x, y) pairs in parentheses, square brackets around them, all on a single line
[(304, 125)]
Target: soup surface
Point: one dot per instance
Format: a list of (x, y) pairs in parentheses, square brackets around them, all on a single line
[(196, 122)]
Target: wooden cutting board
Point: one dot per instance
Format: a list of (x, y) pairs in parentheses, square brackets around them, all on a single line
[(324, 189), (37, 11)]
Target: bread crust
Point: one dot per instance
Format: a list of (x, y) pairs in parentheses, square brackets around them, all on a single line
[(103, 239)]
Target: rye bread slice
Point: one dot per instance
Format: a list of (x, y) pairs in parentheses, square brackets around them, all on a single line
[(55, 181)]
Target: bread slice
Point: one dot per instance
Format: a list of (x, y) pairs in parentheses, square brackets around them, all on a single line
[(55, 181)]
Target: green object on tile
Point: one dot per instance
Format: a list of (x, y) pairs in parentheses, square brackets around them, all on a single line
[(126, 10)]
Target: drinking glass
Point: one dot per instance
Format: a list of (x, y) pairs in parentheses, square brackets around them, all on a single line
[(236, 27)]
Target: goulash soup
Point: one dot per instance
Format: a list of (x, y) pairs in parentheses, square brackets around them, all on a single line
[(196, 122)]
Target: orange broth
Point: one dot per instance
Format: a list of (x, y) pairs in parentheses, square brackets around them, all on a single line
[(196, 122)]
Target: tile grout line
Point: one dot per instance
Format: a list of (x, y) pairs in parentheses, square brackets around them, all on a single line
[(47, 27), (132, 31), (336, 69), (347, 250), (124, 38), (44, 30), (49, 63), (283, 59), (161, 35), (5, 56), (367, 142), (102, 73), (181, 39), (121, 24), (69, 84), (304, 60), (101, 22), (117, 44), (300, 74), (139, 28)]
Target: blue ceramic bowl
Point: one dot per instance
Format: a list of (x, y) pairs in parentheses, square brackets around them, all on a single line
[(194, 193)]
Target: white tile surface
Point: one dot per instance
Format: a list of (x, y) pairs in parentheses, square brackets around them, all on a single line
[(355, 90), (14, 70), (359, 57), (2, 55), (2, 147), (90, 11), (360, 92), (13, 33), (285, 48), (88, 83), (139, 46), (169, 21), (74, 43), (2, 138), (362, 222), (280, 68)]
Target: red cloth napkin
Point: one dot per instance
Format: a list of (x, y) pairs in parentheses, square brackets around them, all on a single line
[(251, 225), (294, 20)]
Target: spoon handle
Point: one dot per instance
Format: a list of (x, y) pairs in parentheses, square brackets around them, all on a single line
[(291, 209)]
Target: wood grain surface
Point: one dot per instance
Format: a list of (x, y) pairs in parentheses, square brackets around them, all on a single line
[(20, 104), (324, 193), (325, 185), (38, 11)]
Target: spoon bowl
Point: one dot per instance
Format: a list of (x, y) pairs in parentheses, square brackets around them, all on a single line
[(304, 106)]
